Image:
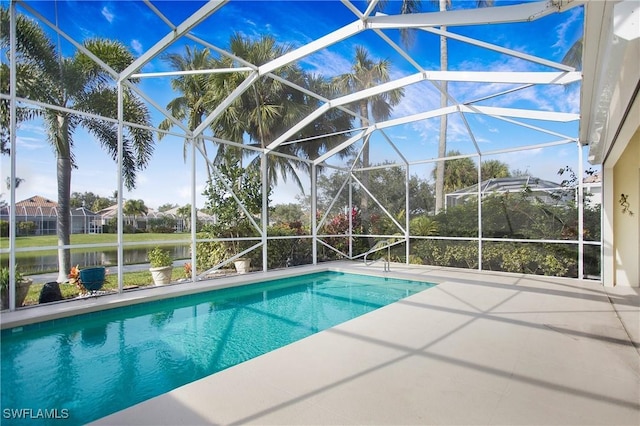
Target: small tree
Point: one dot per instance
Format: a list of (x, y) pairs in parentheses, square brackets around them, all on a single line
[(232, 221), (184, 213)]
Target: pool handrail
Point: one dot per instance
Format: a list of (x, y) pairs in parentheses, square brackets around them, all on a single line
[(381, 245)]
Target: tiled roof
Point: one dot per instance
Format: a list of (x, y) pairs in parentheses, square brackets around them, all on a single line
[(37, 201), (36, 206)]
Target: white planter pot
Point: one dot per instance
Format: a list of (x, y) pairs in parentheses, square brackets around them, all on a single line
[(161, 275), (21, 293), (242, 265)]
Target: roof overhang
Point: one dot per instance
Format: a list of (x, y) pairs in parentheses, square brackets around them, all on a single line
[(611, 75)]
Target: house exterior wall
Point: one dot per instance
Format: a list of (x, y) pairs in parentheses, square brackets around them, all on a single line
[(621, 231)]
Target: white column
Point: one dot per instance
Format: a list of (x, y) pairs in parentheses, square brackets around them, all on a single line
[(608, 210), (120, 199), (265, 207), (12, 136), (314, 212)]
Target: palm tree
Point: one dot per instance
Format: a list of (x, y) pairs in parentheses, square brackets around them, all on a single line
[(406, 6), (459, 173), (573, 57), (269, 107), (443, 5), (262, 113), (80, 84), (366, 73), (184, 213), (135, 208), (492, 169), (194, 90), (411, 6)]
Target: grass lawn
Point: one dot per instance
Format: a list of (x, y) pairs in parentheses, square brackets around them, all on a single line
[(142, 241), (69, 291), (52, 240)]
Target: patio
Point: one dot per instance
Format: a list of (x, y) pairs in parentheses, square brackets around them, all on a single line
[(479, 348)]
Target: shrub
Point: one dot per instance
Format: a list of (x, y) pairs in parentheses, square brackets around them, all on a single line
[(211, 253), (4, 228), (111, 227), (159, 257), (26, 228), (162, 225), (290, 251)]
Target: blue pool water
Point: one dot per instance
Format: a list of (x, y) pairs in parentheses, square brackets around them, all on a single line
[(79, 369)]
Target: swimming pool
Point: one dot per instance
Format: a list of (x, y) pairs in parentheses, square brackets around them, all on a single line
[(85, 367)]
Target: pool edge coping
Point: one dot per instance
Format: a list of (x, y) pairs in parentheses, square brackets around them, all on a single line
[(37, 313)]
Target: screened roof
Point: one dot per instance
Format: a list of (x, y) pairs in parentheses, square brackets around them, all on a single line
[(494, 79)]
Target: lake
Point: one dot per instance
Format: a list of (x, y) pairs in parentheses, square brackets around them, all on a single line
[(37, 262)]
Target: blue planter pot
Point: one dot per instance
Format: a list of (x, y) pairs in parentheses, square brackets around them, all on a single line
[(92, 278)]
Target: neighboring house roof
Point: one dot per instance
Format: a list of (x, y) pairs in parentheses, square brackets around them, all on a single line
[(109, 212), (544, 190), (37, 206), (510, 184), (201, 215), (82, 211), (41, 206)]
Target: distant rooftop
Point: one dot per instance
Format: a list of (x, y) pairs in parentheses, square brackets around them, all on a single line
[(540, 187)]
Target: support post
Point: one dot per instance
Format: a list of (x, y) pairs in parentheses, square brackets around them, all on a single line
[(265, 208), (314, 214), (120, 198), (194, 212), (12, 136)]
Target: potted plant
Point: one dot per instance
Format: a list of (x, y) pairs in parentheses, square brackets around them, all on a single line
[(161, 265), (22, 288), (242, 264), (88, 280)]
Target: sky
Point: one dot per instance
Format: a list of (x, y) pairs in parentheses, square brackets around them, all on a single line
[(167, 178)]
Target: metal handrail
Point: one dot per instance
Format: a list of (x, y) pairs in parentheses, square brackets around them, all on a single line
[(380, 245)]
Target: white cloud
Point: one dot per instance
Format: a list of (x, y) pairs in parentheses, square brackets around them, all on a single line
[(137, 46), (30, 143), (108, 15), (327, 63), (142, 178), (563, 30)]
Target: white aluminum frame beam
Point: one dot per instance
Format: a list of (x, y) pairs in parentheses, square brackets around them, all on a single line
[(77, 45), (462, 76), (499, 49), (309, 48), (187, 25), (490, 15), (554, 77), (226, 103), (522, 113), (343, 145)]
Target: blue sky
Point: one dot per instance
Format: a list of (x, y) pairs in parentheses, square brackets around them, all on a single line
[(167, 179)]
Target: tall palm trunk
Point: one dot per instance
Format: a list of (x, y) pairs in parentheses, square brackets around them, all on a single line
[(200, 140), (442, 142), (63, 164), (364, 121)]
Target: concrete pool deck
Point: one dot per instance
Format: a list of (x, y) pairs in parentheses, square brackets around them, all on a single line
[(479, 348)]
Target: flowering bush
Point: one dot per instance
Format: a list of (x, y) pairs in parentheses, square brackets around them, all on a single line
[(74, 278)]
